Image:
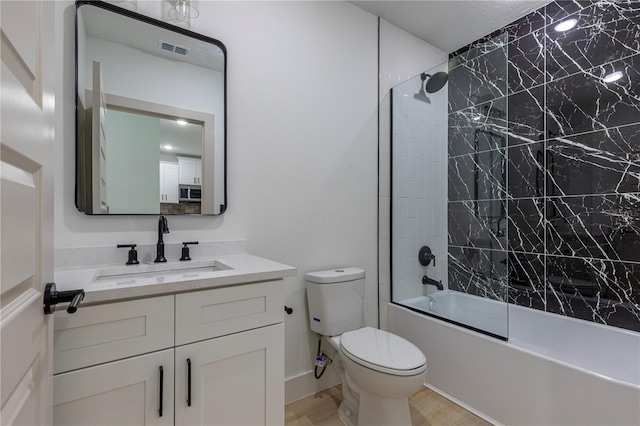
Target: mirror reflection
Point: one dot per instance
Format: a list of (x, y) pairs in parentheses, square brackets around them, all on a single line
[(150, 116)]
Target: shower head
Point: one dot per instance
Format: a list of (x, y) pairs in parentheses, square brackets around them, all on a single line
[(436, 81)]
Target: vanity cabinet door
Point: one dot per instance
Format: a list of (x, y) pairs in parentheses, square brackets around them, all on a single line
[(123, 392), (232, 380)]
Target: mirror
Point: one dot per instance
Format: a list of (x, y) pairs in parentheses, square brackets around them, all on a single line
[(150, 115)]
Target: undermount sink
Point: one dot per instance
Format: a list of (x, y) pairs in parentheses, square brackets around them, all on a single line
[(169, 269)]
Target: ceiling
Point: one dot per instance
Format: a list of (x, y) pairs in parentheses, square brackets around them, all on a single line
[(450, 25), (185, 139)]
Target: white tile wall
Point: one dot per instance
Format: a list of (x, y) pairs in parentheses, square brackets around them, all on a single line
[(418, 182)]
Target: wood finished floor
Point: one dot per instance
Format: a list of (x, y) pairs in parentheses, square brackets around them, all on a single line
[(427, 409)]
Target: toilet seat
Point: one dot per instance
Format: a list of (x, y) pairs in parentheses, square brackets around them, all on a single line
[(383, 351)]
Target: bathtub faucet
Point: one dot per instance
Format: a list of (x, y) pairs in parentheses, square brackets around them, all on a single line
[(426, 280)]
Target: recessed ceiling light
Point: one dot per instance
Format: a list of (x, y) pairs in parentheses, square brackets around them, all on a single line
[(477, 117), (167, 147), (566, 25), (181, 122), (613, 76)]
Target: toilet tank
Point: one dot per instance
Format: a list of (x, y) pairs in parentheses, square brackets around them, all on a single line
[(336, 300)]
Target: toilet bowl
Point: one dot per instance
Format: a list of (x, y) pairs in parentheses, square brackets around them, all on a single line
[(379, 370)]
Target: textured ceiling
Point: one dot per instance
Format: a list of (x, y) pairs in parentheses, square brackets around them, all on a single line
[(450, 25)]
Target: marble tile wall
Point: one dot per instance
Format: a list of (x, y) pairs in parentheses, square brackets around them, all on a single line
[(544, 163)]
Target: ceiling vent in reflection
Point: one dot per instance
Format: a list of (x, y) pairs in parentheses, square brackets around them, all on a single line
[(173, 48)]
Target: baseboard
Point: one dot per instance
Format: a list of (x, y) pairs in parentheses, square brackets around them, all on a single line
[(463, 405), (306, 384)]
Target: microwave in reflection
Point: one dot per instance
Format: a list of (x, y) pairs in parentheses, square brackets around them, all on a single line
[(190, 194)]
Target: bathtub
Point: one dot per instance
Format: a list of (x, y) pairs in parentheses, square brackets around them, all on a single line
[(485, 314), (553, 370)]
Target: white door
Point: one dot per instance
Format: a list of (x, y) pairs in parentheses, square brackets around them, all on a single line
[(26, 210), (232, 380)]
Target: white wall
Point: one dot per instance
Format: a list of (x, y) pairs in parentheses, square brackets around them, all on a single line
[(125, 72), (302, 148), (403, 56)]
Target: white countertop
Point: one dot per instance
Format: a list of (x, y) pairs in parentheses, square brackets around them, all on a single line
[(243, 268)]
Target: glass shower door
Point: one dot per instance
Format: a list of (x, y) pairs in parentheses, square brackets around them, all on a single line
[(449, 174)]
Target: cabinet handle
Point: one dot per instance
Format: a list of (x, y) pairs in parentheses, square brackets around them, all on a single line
[(188, 382), (161, 390)]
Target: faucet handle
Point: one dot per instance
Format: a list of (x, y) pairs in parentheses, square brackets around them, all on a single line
[(425, 256), (133, 253), (185, 250)]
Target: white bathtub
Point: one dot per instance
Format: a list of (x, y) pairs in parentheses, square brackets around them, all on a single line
[(553, 370), (485, 314)]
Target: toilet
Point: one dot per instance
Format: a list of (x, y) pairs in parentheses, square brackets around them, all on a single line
[(379, 370)]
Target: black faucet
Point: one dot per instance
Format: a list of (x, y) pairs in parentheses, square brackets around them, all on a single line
[(163, 228), (426, 280)]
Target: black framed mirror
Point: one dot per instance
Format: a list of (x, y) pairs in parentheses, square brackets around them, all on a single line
[(150, 116)]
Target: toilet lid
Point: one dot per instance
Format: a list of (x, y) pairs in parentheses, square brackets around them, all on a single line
[(383, 351)]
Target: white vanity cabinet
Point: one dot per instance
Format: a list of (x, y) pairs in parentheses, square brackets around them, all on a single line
[(125, 392), (221, 351), (230, 376), (108, 358), (232, 380)]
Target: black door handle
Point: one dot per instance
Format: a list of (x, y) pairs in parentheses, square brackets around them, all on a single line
[(52, 297), (188, 382), (161, 391)]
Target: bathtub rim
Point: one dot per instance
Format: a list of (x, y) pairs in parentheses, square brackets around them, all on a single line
[(452, 322), (504, 342)]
